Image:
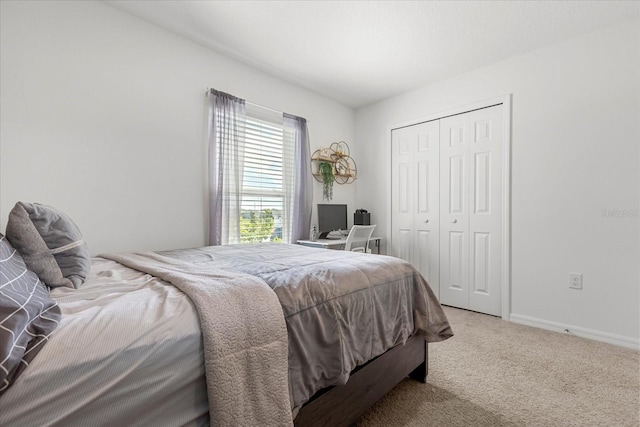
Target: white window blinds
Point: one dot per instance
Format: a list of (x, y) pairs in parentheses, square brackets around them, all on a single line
[(263, 195), (267, 171)]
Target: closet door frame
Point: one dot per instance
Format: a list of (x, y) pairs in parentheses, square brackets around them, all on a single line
[(506, 180)]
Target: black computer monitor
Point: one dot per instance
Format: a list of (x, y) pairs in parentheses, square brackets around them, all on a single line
[(331, 218)]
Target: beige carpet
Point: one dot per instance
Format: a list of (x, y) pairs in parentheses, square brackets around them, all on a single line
[(497, 373)]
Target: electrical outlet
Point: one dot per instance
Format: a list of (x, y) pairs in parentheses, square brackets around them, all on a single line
[(575, 280)]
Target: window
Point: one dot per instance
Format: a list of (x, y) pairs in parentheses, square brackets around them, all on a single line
[(259, 173), (263, 198)]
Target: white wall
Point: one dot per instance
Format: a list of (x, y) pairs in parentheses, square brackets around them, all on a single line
[(575, 154), (104, 116)]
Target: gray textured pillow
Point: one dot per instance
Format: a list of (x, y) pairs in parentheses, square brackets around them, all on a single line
[(50, 243), (28, 315)]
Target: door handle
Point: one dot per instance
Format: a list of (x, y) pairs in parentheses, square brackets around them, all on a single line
[(454, 221), (426, 221)]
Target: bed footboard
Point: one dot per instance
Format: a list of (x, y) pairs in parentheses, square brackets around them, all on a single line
[(342, 405)]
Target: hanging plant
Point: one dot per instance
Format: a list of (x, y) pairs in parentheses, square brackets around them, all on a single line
[(326, 170)]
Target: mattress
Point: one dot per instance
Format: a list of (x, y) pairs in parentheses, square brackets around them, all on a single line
[(128, 351)]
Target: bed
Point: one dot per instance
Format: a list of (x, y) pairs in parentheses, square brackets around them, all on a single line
[(133, 346)]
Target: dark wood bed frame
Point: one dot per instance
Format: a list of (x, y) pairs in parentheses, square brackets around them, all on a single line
[(342, 405)]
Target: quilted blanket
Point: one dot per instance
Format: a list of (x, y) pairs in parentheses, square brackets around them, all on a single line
[(244, 337)]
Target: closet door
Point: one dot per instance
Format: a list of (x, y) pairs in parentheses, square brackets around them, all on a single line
[(402, 178), (415, 200), (455, 138), (471, 210)]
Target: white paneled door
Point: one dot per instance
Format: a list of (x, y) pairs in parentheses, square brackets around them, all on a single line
[(447, 205), (416, 218), (471, 210)]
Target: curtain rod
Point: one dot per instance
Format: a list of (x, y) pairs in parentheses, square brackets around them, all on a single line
[(262, 106), (251, 103), (258, 105)]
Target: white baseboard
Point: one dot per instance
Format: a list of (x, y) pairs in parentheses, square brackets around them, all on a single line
[(619, 340)]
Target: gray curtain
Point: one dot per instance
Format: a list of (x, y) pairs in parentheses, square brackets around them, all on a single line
[(226, 163), (300, 198)]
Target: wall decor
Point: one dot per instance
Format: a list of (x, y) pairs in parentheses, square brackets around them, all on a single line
[(333, 164)]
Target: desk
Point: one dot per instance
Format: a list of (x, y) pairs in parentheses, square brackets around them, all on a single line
[(337, 243)]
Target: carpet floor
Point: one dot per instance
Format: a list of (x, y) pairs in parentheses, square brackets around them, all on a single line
[(496, 373)]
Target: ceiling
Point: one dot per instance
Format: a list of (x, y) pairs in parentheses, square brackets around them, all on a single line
[(360, 52)]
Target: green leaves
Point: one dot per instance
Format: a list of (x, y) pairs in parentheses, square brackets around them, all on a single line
[(256, 226), (326, 170)]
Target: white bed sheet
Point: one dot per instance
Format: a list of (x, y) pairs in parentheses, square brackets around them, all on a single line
[(137, 358)]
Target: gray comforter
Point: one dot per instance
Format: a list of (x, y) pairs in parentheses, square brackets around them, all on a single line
[(341, 308)]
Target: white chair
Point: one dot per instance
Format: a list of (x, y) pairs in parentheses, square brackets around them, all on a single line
[(358, 238)]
